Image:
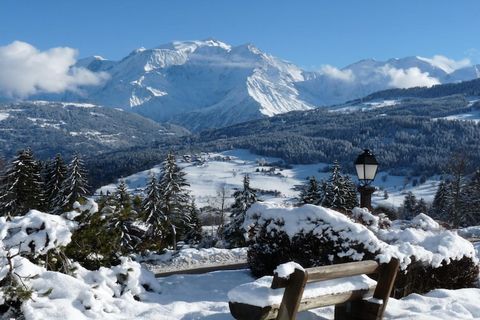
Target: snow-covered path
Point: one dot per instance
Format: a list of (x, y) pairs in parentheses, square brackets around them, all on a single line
[(200, 296)]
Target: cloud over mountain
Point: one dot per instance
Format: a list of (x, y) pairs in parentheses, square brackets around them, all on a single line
[(25, 71), (408, 78)]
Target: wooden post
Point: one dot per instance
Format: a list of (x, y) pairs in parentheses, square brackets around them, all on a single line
[(385, 282), (293, 295)]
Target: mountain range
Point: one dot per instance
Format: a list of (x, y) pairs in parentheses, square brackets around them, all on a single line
[(210, 84)]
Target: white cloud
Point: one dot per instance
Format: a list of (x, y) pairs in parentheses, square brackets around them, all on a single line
[(24, 70), (407, 78), (335, 73), (446, 64)]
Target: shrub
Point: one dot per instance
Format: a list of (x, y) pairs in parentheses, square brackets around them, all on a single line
[(430, 256)]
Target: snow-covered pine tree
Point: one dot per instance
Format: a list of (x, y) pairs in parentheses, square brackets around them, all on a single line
[(174, 198), (409, 206), (243, 201), (152, 211), (55, 175), (21, 187), (442, 202), (421, 207), (75, 185), (122, 196), (122, 223), (470, 202), (340, 191), (311, 193), (193, 230)]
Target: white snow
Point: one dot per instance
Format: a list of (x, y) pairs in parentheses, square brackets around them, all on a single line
[(286, 269), (4, 115), (47, 123), (35, 233), (436, 305), (473, 116), (364, 106), (191, 258)]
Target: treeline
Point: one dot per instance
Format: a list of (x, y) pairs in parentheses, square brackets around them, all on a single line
[(52, 186)]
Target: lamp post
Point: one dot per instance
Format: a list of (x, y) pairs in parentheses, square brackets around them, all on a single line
[(366, 166)]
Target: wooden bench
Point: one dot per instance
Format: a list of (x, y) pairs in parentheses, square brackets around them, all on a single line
[(352, 304)]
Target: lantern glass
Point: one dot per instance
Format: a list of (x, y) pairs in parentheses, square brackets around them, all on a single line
[(366, 166), (366, 171)]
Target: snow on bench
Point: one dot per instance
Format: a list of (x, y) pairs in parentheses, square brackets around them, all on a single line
[(344, 285)]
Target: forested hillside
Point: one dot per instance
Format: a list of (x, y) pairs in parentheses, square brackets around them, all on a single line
[(467, 88), (408, 138)]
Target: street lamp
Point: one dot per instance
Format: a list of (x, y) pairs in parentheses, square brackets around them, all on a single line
[(366, 166)]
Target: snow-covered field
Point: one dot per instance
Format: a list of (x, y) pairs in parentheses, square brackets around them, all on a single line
[(226, 169)]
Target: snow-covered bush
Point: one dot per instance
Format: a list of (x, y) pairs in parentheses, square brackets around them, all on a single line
[(313, 236), (38, 237), (309, 235), (30, 288)]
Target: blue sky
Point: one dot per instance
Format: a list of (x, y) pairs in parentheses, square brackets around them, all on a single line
[(309, 33)]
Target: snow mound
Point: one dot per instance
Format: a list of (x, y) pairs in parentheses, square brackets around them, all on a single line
[(424, 222), (435, 305), (286, 269), (114, 293)]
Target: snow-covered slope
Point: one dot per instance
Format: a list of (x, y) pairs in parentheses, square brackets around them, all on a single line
[(59, 127), (202, 84)]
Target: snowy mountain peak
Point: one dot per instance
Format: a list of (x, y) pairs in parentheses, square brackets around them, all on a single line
[(191, 46), (209, 83)]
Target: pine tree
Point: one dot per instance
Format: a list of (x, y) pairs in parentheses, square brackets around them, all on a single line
[(55, 175), (470, 202), (122, 224), (442, 202), (75, 185), (174, 198), (243, 201), (311, 193), (21, 188), (340, 191), (421, 207), (122, 196), (193, 230), (151, 208), (409, 206)]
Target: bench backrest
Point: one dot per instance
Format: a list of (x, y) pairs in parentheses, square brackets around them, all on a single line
[(361, 309)]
